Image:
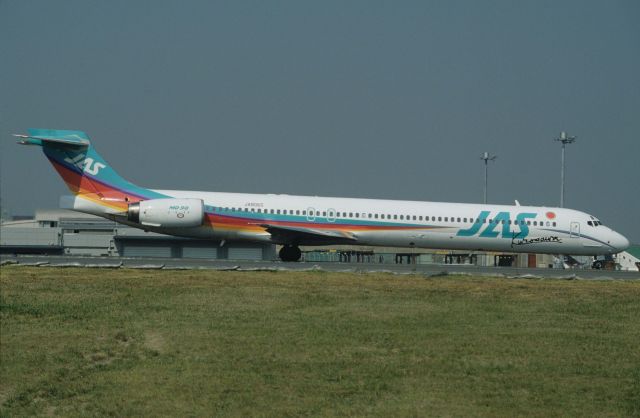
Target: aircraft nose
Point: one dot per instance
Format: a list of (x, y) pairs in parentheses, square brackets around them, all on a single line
[(620, 242)]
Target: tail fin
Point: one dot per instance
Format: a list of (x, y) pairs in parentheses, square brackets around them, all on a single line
[(84, 171)]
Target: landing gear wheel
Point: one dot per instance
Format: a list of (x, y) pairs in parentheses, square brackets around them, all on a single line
[(290, 253)]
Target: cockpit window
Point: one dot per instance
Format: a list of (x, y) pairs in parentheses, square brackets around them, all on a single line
[(589, 223)]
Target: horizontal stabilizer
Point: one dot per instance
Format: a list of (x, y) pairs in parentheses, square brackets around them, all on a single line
[(54, 137)]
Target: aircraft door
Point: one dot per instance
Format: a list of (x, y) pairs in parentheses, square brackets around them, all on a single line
[(311, 214), (574, 230)]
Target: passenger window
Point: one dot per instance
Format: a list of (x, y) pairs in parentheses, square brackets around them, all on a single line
[(420, 218), (324, 213), (554, 224), (376, 216), (401, 217), (357, 215), (297, 212), (304, 212), (395, 216), (529, 223), (382, 216), (458, 219), (439, 218), (278, 211)]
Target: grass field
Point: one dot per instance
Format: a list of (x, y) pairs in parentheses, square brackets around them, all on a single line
[(87, 342)]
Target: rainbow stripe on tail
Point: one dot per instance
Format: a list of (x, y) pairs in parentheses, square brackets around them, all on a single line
[(84, 171)]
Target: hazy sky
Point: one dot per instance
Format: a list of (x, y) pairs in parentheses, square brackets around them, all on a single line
[(393, 99)]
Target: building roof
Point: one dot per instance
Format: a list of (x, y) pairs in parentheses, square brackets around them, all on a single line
[(20, 223), (57, 214)]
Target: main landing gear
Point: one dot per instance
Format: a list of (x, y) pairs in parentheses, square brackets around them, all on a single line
[(290, 253)]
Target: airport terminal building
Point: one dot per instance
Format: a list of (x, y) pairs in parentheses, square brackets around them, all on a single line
[(60, 232)]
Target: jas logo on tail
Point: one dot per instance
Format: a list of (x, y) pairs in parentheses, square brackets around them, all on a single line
[(86, 164)]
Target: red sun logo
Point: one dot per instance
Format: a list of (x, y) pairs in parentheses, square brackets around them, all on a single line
[(551, 215)]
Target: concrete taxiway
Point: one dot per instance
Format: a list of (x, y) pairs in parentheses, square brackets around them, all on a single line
[(245, 265)]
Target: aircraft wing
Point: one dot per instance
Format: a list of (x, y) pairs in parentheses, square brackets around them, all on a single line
[(298, 235)]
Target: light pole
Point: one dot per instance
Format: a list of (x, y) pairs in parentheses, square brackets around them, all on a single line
[(486, 157), (564, 139)]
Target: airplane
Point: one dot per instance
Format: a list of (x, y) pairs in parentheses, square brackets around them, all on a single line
[(292, 221)]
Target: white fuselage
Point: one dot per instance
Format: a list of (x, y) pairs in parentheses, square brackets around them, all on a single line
[(376, 222)]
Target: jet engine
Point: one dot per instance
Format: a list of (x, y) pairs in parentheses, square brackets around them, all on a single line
[(167, 213)]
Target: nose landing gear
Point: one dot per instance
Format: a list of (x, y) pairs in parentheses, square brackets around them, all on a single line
[(290, 253)]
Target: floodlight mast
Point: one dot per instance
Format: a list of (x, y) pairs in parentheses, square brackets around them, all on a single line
[(564, 139), (486, 157)]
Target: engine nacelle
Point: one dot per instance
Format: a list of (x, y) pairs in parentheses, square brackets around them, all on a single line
[(167, 213)]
